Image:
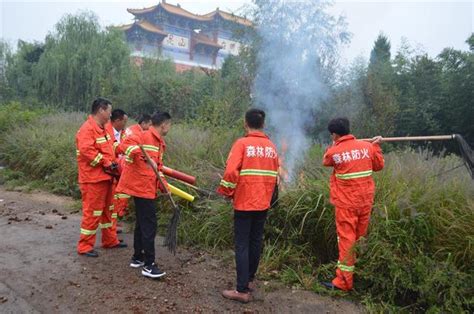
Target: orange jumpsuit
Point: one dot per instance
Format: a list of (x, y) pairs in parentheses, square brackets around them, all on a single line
[(94, 150), (352, 193), (251, 172)]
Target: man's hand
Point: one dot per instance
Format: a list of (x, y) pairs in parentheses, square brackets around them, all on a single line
[(112, 169), (376, 139)]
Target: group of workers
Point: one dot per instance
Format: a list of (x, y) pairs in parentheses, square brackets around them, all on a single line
[(113, 168)]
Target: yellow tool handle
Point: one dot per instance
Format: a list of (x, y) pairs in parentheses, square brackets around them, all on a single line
[(180, 193)]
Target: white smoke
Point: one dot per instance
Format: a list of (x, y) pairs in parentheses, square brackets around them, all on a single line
[(298, 39)]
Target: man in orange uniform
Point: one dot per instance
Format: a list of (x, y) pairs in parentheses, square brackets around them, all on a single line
[(139, 180), (352, 192), (121, 199), (95, 157), (249, 180)]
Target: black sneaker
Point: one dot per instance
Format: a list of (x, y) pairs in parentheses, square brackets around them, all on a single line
[(91, 253), (152, 271), (136, 262)]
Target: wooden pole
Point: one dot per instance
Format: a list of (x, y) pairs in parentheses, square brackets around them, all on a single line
[(414, 138)]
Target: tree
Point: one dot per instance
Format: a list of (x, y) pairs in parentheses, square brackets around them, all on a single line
[(5, 57), (20, 67), (378, 116), (81, 61)]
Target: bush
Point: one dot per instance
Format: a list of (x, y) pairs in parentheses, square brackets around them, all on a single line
[(44, 150)]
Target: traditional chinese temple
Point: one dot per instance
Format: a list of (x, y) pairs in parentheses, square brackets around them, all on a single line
[(189, 40)]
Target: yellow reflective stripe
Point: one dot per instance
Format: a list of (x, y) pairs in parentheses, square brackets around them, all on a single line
[(111, 207), (258, 172), (101, 140), (96, 160), (130, 149), (354, 175), (77, 152), (97, 213), (116, 144), (228, 184), (105, 226), (114, 215), (88, 232), (151, 148), (107, 137), (121, 195), (129, 160), (344, 267)]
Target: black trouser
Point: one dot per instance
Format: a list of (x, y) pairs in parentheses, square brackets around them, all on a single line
[(145, 230), (248, 234)]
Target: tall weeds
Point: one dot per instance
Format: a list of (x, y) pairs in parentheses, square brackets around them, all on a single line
[(419, 252)]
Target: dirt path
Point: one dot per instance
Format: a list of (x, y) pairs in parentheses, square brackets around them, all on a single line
[(41, 272)]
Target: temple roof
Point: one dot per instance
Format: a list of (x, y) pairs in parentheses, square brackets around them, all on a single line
[(230, 17), (144, 25), (176, 9)]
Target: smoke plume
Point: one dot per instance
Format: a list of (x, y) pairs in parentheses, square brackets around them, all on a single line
[(297, 43)]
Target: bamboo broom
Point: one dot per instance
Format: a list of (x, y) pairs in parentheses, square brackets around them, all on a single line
[(171, 233)]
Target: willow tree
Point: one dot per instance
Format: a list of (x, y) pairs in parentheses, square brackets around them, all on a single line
[(80, 61)]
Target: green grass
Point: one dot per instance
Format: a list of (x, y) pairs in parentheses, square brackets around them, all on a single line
[(417, 257)]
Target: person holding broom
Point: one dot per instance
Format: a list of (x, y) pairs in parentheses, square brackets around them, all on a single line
[(139, 180), (352, 192), (249, 180)]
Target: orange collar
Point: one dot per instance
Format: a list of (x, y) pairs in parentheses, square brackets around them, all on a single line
[(157, 135), (347, 137), (95, 125), (256, 134)]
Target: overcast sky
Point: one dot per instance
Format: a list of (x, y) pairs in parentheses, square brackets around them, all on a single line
[(427, 25)]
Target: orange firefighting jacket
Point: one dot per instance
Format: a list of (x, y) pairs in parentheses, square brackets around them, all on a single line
[(133, 129), (251, 172), (354, 162), (118, 147), (94, 150), (138, 179)]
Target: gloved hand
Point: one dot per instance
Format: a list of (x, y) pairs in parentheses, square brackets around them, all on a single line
[(161, 187), (112, 169)]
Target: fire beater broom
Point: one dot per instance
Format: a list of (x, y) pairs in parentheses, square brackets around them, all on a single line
[(465, 150), (171, 233)]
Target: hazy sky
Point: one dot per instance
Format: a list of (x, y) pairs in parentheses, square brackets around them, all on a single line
[(427, 25)]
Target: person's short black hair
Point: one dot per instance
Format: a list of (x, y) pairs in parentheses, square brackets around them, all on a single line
[(100, 103), (255, 118), (144, 118), (339, 126), (159, 118), (117, 114)]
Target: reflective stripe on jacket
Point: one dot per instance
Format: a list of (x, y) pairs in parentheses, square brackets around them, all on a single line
[(251, 172), (354, 162), (138, 179), (93, 151)]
